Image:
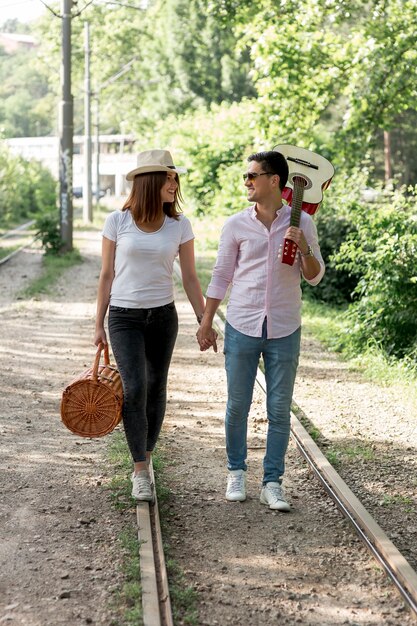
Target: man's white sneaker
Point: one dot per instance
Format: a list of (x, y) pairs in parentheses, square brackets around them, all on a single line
[(272, 495), (142, 488), (236, 486)]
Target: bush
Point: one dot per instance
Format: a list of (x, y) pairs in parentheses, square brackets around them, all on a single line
[(384, 247), (26, 188), (47, 228)]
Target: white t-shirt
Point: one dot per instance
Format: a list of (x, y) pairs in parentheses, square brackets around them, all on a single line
[(144, 261)]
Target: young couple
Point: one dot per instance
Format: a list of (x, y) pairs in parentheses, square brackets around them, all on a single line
[(263, 314)]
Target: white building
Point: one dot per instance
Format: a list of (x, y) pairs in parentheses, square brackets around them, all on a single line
[(116, 157)]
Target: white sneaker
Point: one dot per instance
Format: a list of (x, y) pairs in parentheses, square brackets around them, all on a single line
[(272, 495), (236, 486), (142, 488)]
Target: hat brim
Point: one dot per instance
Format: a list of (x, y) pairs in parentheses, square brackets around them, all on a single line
[(147, 169)]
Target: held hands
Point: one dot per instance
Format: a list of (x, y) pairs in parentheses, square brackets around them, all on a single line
[(206, 337)]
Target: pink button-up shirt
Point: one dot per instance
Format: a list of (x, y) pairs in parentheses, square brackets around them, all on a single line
[(249, 258)]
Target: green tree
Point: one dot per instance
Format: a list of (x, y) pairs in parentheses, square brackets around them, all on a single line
[(26, 188), (26, 108), (183, 57)]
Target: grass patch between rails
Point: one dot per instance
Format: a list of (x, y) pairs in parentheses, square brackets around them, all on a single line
[(129, 599), (53, 266), (184, 598), (7, 225), (6, 251)]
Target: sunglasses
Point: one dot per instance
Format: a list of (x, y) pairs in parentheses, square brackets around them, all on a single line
[(252, 175)]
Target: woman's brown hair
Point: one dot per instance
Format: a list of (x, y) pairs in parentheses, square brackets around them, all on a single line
[(144, 200)]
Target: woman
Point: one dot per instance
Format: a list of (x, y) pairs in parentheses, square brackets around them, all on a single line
[(138, 250)]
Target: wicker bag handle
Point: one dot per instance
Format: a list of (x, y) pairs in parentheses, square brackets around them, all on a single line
[(100, 348)]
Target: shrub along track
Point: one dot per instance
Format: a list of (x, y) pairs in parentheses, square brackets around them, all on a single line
[(60, 559)]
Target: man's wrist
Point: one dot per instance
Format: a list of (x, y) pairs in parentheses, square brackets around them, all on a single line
[(199, 318), (308, 253)]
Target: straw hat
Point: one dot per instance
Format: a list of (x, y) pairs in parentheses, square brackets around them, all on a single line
[(154, 161)]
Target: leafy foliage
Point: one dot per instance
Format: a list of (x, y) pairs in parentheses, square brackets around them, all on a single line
[(213, 145), (26, 188), (26, 106), (383, 248), (47, 228)]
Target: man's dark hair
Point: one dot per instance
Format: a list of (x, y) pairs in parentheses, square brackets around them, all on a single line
[(273, 163)]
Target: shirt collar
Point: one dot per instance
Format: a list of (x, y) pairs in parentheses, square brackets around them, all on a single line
[(252, 211)]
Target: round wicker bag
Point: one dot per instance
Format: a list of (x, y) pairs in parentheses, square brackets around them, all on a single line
[(91, 405)]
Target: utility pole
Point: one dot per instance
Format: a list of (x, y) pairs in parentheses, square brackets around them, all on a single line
[(97, 187), (66, 132), (87, 196)]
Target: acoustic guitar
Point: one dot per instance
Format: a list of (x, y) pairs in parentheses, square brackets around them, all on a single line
[(309, 175)]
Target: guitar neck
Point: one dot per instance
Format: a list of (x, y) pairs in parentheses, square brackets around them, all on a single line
[(297, 203)]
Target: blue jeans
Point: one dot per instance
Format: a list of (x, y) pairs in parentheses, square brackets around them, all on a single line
[(280, 356), (142, 341)]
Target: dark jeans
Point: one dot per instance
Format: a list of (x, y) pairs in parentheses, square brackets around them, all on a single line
[(142, 341)]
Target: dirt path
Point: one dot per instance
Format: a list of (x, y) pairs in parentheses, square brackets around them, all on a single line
[(255, 567), (59, 559)]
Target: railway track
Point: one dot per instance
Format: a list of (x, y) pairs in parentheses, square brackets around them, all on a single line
[(154, 581), (18, 234), (155, 592), (156, 604)]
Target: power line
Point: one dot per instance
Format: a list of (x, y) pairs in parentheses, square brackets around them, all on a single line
[(75, 14), (122, 4), (51, 10), (83, 9)]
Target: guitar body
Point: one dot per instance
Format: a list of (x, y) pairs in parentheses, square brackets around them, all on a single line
[(315, 170), (309, 175)]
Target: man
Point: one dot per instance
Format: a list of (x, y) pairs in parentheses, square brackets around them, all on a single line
[(263, 318)]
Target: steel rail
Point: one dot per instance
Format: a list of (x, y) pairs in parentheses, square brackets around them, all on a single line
[(15, 252), (156, 603), (393, 562), (375, 539), (12, 231), (9, 234)]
